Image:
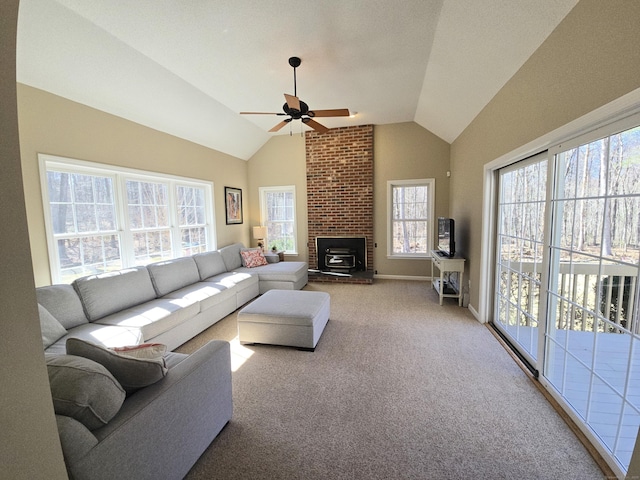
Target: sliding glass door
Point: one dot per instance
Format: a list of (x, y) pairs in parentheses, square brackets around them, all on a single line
[(519, 254), (566, 278), (592, 344)]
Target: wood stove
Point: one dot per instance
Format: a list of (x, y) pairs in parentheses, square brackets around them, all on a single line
[(340, 259), (341, 254)]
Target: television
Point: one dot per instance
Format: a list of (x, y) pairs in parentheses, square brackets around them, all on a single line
[(446, 236)]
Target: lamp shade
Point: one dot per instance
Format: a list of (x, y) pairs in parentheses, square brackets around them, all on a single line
[(259, 233)]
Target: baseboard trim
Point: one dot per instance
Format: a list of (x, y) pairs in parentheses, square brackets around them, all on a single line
[(475, 313), (402, 277)]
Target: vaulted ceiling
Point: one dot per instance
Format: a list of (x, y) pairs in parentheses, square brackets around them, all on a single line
[(188, 68)]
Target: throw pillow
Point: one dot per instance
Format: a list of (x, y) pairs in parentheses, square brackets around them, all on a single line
[(151, 351), (51, 329), (84, 390), (135, 367), (253, 258)]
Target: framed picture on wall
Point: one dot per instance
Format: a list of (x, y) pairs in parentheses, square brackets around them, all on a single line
[(233, 205)]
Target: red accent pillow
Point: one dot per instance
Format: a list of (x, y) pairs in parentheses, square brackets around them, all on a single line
[(253, 258)]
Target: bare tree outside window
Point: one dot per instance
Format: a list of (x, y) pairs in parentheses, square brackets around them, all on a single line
[(101, 218), (410, 219), (278, 215), (83, 218)]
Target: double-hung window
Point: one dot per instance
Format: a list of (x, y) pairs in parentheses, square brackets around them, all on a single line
[(410, 217), (192, 218), (149, 220), (278, 214), (101, 218), (82, 223)]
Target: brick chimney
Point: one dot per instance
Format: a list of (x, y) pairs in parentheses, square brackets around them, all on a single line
[(340, 186)]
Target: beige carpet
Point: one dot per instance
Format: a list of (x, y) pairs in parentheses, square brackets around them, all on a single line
[(398, 388)]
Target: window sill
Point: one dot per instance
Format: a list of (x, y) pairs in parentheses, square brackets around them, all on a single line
[(421, 256)]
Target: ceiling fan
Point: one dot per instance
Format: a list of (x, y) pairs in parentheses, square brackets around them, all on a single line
[(296, 109)]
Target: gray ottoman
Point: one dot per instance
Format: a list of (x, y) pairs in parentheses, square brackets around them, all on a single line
[(293, 318)]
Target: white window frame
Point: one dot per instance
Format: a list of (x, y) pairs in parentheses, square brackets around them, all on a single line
[(430, 183), (263, 213), (120, 175)]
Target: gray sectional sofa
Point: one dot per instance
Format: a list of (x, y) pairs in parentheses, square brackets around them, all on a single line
[(168, 303)]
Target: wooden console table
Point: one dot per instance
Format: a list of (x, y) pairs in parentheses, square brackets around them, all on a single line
[(447, 265)]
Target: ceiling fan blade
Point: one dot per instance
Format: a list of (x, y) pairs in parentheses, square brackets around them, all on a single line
[(315, 125), (260, 113), (337, 112), (293, 102), (280, 125)]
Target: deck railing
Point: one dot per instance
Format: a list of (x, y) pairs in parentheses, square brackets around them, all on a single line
[(589, 296)]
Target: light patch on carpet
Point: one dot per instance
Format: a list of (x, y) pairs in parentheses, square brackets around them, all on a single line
[(239, 354)]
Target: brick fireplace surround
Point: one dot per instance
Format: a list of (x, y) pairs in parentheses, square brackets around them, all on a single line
[(340, 191)]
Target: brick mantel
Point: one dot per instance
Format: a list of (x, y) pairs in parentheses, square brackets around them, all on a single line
[(340, 186)]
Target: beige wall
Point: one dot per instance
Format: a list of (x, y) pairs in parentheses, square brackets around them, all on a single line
[(401, 151), (404, 151), (590, 59), (30, 447), (57, 126), (54, 125), (281, 162)]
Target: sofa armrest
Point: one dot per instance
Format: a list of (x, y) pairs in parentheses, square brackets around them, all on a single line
[(162, 430)]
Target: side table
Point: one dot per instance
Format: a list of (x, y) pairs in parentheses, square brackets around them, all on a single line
[(447, 265), (274, 257)]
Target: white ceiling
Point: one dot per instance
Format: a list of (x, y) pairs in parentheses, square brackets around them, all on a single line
[(188, 67)]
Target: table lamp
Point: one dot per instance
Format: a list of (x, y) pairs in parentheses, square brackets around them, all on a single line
[(259, 234)]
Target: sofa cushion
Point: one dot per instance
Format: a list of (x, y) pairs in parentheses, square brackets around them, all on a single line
[(63, 303), (51, 329), (252, 257), (107, 335), (173, 274), (76, 440), (246, 286), (209, 264), (231, 256), (207, 294), (241, 280), (154, 317), (112, 292), (134, 367), (281, 271), (84, 390)]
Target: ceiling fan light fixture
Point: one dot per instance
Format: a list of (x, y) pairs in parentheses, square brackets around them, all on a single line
[(296, 109)]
